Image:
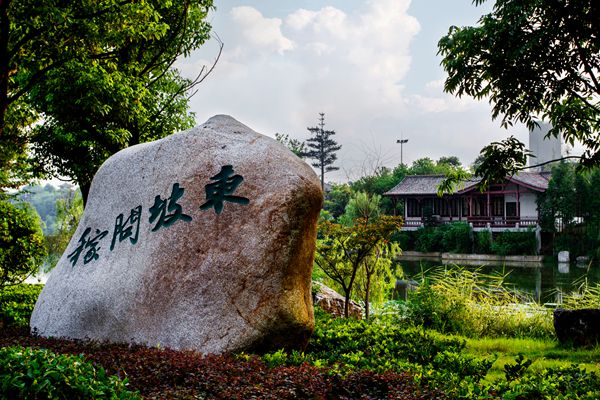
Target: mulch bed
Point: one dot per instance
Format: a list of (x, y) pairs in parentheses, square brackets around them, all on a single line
[(168, 374)]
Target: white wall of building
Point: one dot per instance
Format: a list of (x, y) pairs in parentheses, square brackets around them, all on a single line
[(528, 205)]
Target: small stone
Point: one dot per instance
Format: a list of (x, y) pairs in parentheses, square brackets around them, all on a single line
[(203, 240), (403, 287), (563, 256), (582, 260), (332, 302)]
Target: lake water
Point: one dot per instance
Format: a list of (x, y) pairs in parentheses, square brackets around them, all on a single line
[(545, 283)]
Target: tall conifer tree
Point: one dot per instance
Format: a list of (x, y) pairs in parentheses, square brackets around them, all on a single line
[(322, 148)]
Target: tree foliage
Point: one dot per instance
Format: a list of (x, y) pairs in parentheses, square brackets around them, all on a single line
[(69, 210), (380, 182), (342, 250), (533, 59), (296, 146), (361, 206), (337, 198), (322, 148), (96, 74), (21, 243)]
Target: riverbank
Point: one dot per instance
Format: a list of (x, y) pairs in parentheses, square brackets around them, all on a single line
[(473, 259)]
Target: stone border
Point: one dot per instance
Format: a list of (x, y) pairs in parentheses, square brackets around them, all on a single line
[(473, 259)]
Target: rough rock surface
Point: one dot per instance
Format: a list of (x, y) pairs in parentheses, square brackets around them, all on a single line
[(203, 240), (333, 303), (577, 327)]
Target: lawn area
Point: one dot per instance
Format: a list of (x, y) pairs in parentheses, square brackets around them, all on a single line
[(545, 353)]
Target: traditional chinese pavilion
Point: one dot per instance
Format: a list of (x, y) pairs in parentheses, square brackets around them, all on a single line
[(511, 204)]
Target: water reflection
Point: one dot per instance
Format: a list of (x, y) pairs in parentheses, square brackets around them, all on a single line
[(563, 267), (545, 283)]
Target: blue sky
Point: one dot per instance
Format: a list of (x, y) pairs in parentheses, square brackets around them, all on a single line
[(371, 66)]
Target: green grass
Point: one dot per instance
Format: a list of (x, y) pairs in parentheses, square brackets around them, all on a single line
[(545, 353)]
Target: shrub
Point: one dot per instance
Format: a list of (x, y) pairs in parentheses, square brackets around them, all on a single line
[(470, 303), (16, 304), (483, 242), (514, 243), (27, 373), (429, 239), (381, 345), (405, 239), (21, 243), (457, 238)]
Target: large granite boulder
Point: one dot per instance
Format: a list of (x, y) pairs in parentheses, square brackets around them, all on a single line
[(577, 327), (203, 240)]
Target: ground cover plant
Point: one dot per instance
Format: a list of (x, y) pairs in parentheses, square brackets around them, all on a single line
[(386, 357), (27, 373), (163, 373)]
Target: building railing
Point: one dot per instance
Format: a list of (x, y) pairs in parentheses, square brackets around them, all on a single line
[(479, 222)]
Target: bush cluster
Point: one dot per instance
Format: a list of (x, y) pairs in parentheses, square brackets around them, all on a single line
[(21, 243), (514, 243), (27, 373), (455, 237), (470, 303), (458, 237), (16, 304)]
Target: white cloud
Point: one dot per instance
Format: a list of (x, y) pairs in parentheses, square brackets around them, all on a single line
[(259, 33), (278, 72)]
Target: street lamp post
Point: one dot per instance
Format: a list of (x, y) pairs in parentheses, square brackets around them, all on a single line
[(401, 141)]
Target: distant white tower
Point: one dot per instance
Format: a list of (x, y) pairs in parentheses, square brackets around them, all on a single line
[(544, 149)]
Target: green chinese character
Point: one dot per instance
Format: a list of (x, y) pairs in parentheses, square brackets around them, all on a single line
[(124, 229), (221, 190), (159, 210), (91, 244)]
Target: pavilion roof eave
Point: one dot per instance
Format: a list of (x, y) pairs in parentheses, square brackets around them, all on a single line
[(511, 179)]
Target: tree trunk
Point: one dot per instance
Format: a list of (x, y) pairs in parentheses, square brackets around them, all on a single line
[(4, 62), (367, 292), (346, 303), (322, 177), (85, 190)]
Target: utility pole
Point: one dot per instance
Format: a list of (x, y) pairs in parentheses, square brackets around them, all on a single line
[(402, 142)]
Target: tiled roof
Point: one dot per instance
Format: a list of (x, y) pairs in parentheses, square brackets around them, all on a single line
[(427, 184), (534, 179), (417, 184)]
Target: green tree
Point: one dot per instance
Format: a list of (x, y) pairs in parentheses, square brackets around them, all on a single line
[(423, 166), (559, 201), (21, 243), (426, 166), (129, 98), (452, 161), (97, 74), (592, 205), (377, 273), (361, 206), (380, 182), (69, 210), (337, 199), (342, 250), (322, 148), (36, 37), (532, 59), (296, 146)]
